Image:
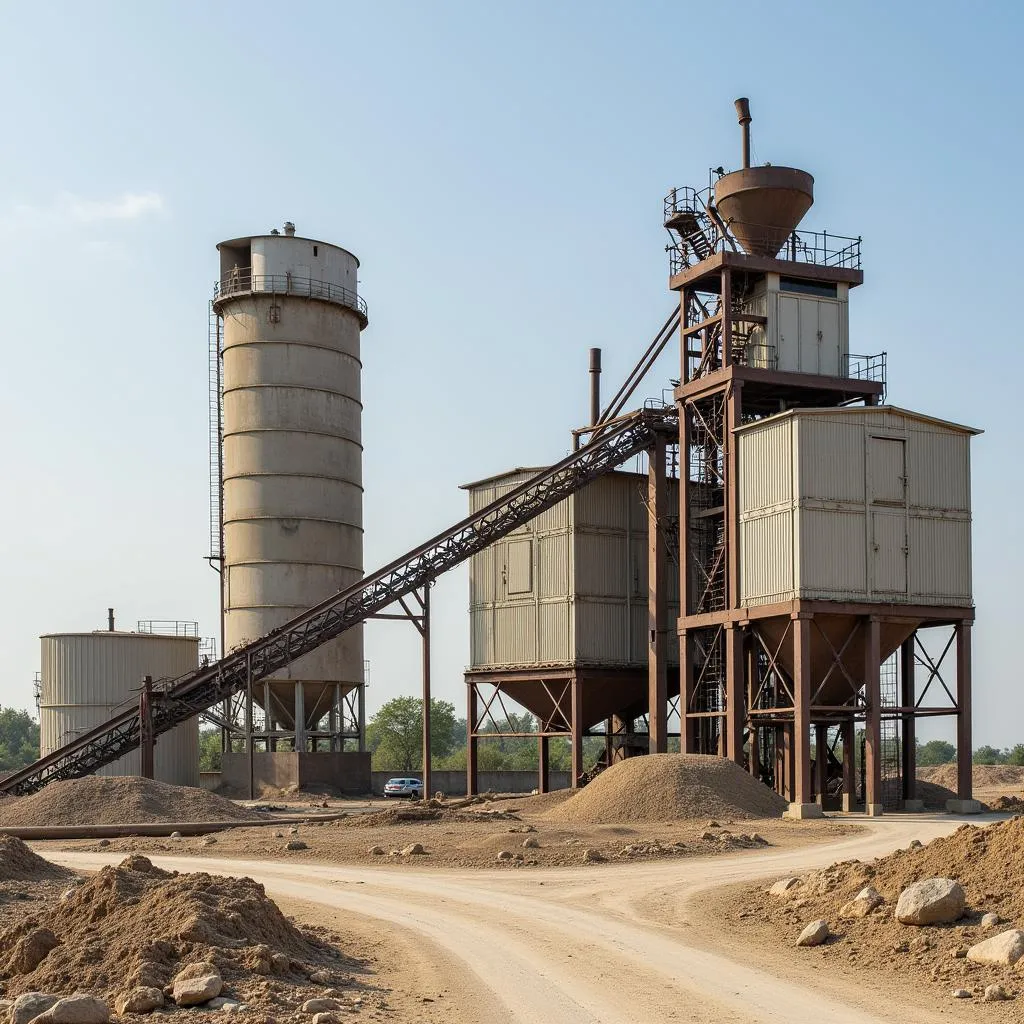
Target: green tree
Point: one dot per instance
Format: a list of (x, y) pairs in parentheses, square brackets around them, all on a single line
[(989, 755), (1016, 755), (395, 733), (935, 752), (19, 740), (209, 750)]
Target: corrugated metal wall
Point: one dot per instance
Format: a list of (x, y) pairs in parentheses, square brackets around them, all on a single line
[(587, 593), (855, 505), (87, 677)]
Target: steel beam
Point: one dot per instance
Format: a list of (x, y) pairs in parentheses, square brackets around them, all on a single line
[(801, 754), (735, 690), (964, 752), (873, 718), (657, 598), (909, 719)]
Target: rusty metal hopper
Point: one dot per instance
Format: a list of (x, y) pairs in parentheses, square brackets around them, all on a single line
[(763, 205)]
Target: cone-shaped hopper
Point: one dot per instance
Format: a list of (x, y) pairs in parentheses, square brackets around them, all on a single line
[(762, 205)]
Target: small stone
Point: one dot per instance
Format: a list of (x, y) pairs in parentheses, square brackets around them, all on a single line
[(325, 1018), (959, 953), (995, 994), (139, 1000), (712, 824), (293, 831), (960, 993), (901, 947), (707, 837), (198, 983), (990, 920), (867, 900), (1003, 950), (759, 839), (531, 843), (376, 851), (320, 1006), (67, 894), (209, 841), (504, 855), (814, 934), (933, 901), (175, 835), (280, 964), (782, 886), (77, 1009), (916, 844), (295, 844), (414, 849), (103, 842), (321, 977), (592, 856), (279, 835), (29, 1006)]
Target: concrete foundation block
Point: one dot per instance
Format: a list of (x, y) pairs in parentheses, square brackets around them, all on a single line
[(849, 802), (963, 807), (873, 810), (804, 811), (913, 805)]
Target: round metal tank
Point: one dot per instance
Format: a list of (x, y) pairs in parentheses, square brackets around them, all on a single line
[(88, 677), (292, 461), (763, 205)]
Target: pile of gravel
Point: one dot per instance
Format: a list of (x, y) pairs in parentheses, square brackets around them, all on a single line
[(19, 864), (670, 787), (101, 800)]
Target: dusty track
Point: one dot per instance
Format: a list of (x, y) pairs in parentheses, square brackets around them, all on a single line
[(613, 944)]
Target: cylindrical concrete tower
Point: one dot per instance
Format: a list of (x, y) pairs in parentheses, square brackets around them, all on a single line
[(292, 463)]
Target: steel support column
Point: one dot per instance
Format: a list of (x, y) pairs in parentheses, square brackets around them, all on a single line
[(657, 599), (472, 743), (425, 632), (687, 726), (543, 764), (820, 762), (801, 752), (873, 718), (849, 765), (965, 786), (735, 691), (248, 725), (146, 738), (576, 729), (300, 717), (909, 722)]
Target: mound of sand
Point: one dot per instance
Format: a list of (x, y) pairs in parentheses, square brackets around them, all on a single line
[(934, 795), (137, 925), (670, 787), (19, 864), (984, 776), (98, 800)]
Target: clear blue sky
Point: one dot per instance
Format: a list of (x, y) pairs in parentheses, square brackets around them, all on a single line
[(499, 170)]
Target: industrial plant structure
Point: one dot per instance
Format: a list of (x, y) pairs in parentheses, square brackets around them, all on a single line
[(288, 497), (809, 535)]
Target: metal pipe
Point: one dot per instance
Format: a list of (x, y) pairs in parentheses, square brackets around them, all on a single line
[(595, 386), (743, 113), (110, 620)]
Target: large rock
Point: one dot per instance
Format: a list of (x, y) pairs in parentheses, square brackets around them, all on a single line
[(31, 950), (814, 934), (867, 900), (29, 1006), (78, 1009), (933, 901), (1003, 950), (413, 849), (196, 984), (139, 1000), (782, 886)]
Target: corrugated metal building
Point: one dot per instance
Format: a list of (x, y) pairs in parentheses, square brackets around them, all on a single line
[(855, 504), (88, 677), (570, 587)]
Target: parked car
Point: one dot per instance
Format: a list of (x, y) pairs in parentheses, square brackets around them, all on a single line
[(411, 788)]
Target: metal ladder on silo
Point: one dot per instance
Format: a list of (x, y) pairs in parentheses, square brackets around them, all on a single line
[(216, 413)]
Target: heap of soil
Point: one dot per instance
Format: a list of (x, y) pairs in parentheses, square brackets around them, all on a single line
[(138, 925), (19, 864), (987, 862), (984, 776), (427, 811), (934, 795), (670, 787), (99, 800)]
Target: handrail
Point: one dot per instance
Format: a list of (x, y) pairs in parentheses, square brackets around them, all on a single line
[(243, 281), (209, 685)]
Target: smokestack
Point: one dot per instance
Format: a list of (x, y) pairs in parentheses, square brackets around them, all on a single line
[(110, 620), (743, 113), (289, 228), (595, 386)]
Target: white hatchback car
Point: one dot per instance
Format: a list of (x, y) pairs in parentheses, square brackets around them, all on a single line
[(411, 788)]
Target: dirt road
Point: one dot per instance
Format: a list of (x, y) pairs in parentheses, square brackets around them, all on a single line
[(612, 944)]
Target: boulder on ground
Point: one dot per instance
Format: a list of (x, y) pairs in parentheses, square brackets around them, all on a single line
[(504, 855), (413, 849), (295, 844), (198, 983), (531, 843), (814, 934), (320, 1006), (77, 1009), (592, 856), (989, 920), (867, 900), (1003, 950), (932, 901), (139, 1000), (29, 1006), (376, 851), (995, 994), (782, 886), (31, 950), (960, 993)]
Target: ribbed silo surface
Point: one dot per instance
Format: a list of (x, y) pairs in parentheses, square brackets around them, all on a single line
[(292, 453), (88, 677)]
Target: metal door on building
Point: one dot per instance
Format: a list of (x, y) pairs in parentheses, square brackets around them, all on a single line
[(789, 333), (887, 494)]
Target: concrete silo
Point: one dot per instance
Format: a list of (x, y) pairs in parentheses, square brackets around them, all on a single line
[(292, 489)]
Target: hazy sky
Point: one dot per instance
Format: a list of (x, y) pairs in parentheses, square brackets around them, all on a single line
[(499, 171)]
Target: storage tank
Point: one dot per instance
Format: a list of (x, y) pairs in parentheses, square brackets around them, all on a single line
[(88, 677), (292, 458)]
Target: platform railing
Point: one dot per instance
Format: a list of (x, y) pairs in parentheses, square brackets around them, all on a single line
[(243, 281)]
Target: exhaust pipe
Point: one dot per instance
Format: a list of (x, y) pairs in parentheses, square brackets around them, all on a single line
[(743, 113), (595, 386)]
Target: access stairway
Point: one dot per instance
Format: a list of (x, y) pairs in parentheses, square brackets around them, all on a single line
[(183, 698)]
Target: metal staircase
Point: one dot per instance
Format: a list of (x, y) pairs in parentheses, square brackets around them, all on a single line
[(178, 700)]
